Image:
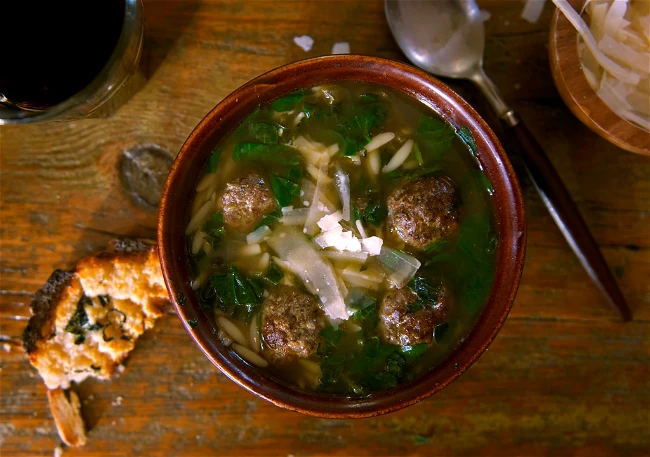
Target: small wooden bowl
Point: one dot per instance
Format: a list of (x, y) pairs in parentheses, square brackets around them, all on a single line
[(185, 173), (581, 99)]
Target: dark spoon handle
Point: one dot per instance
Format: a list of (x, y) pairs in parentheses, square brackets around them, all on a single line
[(557, 199)]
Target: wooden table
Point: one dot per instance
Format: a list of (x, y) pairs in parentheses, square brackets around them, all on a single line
[(564, 376)]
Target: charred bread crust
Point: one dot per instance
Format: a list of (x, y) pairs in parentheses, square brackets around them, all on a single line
[(86, 321), (66, 412), (43, 305)]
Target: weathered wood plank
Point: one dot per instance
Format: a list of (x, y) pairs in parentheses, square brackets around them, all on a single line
[(564, 377)]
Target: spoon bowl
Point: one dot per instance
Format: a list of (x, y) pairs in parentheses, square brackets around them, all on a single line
[(446, 38), (452, 48)]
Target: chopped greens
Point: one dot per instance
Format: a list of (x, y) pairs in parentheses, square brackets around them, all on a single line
[(471, 272), (415, 173), (287, 103), (213, 161), (440, 332), (273, 274), (214, 229), (235, 293), (331, 335), (364, 118), (375, 214), (284, 190), (465, 134), (327, 129), (438, 246), (418, 154), (331, 368), (427, 294), (434, 137), (79, 320), (264, 132), (415, 351), (274, 154), (270, 219)]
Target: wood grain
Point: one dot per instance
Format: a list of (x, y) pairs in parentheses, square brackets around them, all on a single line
[(579, 96), (563, 377)]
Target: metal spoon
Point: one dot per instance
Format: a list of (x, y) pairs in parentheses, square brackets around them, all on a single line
[(446, 38)]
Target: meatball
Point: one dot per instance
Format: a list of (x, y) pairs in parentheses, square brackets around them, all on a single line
[(291, 322), (245, 201), (423, 211), (399, 326)]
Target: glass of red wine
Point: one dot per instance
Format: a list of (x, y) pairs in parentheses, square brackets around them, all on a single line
[(63, 59)]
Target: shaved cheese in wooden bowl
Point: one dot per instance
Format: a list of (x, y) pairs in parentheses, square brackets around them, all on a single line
[(615, 53)]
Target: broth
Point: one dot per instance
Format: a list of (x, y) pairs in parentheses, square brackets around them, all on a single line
[(344, 238)]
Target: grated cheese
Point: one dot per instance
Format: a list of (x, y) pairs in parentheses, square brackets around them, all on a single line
[(615, 54)]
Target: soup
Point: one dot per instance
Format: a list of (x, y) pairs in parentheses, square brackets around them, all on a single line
[(343, 238)]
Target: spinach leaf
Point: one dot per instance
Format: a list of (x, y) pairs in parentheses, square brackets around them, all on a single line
[(351, 148), (417, 154), (270, 219), (438, 246), (380, 381), (235, 292), (427, 294), (331, 336), (483, 181), (213, 161), (473, 237), (434, 137), (193, 322), (363, 307), (331, 368), (440, 332), (244, 291), (273, 274), (465, 134), (472, 267), (356, 213), (412, 174), (274, 154), (264, 132), (207, 295), (284, 190), (287, 103), (375, 214), (364, 117), (413, 352), (214, 229), (294, 174), (224, 291), (309, 109), (395, 364), (369, 97), (368, 315)]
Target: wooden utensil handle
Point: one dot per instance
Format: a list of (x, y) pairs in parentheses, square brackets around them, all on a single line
[(564, 211)]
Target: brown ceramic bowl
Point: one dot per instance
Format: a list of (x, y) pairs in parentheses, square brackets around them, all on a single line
[(576, 92), (184, 175)]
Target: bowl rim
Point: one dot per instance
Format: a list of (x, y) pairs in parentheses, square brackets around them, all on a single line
[(223, 118), (572, 84)]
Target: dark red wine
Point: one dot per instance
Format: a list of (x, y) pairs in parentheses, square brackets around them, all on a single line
[(53, 49)]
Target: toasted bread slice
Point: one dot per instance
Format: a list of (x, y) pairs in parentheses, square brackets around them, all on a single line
[(66, 411), (86, 321)]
